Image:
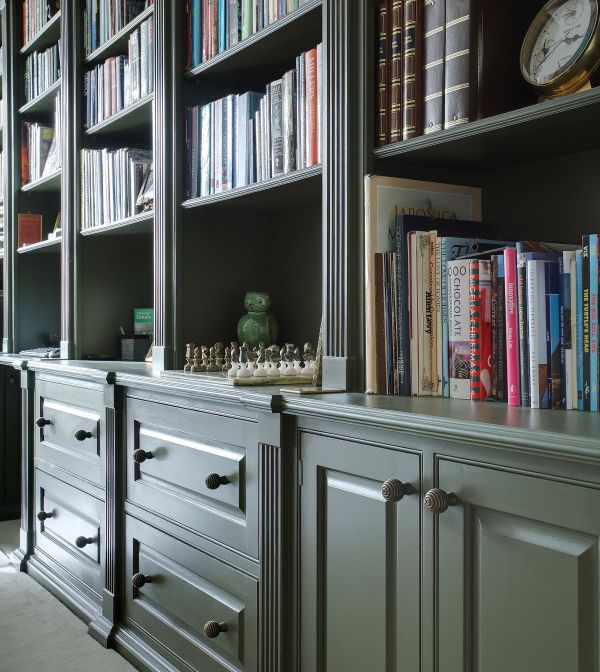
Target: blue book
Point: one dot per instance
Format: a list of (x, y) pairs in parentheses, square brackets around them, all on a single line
[(196, 37), (247, 105), (452, 248), (579, 326), (553, 333), (565, 329), (222, 25), (594, 322)]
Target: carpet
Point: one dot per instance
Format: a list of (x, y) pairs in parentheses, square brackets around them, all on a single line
[(38, 633)]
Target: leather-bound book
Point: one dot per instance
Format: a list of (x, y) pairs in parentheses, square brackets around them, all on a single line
[(396, 71), (413, 69), (382, 122), (434, 42)]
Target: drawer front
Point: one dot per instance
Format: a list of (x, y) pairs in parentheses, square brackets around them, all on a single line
[(70, 409), (197, 469), (184, 590), (70, 515)]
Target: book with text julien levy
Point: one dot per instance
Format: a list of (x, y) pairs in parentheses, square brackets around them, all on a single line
[(385, 198)]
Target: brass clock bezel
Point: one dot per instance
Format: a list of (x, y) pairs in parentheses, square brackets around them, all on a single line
[(577, 75)]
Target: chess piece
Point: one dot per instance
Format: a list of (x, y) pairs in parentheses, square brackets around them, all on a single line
[(227, 364), (287, 354), (196, 366), (212, 361), (309, 361), (270, 365), (257, 325), (235, 361), (297, 362), (251, 358), (244, 371), (204, 359), (260, 371), (189, 357)]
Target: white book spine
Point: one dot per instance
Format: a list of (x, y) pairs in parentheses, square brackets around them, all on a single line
[(458, 329), (536, 313)]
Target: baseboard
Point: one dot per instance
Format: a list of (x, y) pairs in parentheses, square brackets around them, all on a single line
[(139, 654)]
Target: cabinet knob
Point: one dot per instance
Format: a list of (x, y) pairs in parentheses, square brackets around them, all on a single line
[(437, 501), (213, 481), (213, 629), (82, 435), (393, 490), (138, 580), (141, 455), (82, 542), (42, 422), (44, 515)]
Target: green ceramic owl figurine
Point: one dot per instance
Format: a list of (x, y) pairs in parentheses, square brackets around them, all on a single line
[(257, 325)]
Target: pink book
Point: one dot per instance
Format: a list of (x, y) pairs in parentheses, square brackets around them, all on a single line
[(512, 326)]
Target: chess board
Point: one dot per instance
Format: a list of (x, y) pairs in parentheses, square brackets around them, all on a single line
[(222, 378)]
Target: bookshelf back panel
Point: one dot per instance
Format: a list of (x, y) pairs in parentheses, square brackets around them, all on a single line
[(279, 254), (115, 279), (38, 301)]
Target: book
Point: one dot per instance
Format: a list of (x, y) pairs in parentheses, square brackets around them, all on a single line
[(480, 336), (552, 306), (512, 340), (396, 80), (382, 78), (412, 38), (536, 324), (459, 360), (500, 359), (460, 52), (434, 43), (29, 229), (385, 198), (593, 242), (571, 363), (586, 324), (579, 327)]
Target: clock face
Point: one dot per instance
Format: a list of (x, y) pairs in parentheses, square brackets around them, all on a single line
[(561, 33)]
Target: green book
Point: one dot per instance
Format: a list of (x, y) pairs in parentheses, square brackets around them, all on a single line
[(143, 321)]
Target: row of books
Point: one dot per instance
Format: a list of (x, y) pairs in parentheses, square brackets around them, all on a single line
[(121, 80), (444, 63), (247, 138), (111, 180), (40, 147), (216, 25), (105, 18), (42, 69), (36, 14)]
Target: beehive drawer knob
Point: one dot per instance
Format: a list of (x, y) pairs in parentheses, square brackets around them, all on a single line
[(82, 542), (213, 629), (139, 580), (394, 490), (82, 435), (141, 455), (44, 515), (214, 481), (42, 422), (438, 501)]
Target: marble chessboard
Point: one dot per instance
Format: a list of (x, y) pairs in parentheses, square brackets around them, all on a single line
[(222, 378)]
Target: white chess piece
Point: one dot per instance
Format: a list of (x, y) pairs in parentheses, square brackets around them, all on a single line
[(273, 371), (308, 370), (260, 371), (297, 369), (289, 369), (244, 371), (232, 372)]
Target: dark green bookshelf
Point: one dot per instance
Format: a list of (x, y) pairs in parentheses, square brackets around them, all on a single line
[(142, 223), (42, 103), (134, 116), (46, 37), (50, 183), (43, 247)]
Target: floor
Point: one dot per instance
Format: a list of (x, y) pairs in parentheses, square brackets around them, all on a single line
[(37, 632)]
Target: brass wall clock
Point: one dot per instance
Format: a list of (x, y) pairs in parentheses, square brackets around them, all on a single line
[(562, 47)]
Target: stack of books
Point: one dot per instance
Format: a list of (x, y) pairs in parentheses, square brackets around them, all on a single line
[(36, 14), (442, 63), (216, 25), (42, 69), (110, 184), (243, 139), (105, 18), (121, 80), (40, 147)]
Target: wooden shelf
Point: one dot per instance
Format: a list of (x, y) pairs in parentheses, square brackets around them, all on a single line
[(555, 128), (297, 188), (132, 117), (43, 247), (42, 103), (142, 223), (47, 36), (281, 41), (117, 44), (45, 184)]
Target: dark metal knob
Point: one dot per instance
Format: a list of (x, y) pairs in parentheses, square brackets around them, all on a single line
[(44, 515), (213, 629), (213, 481), (82, 435), (138, 580), (42, 422), (393, 490), (82, 542), (140, 455), (437, 501)]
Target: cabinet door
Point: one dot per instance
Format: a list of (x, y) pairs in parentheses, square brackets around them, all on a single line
[(360, 578), (517, 573)]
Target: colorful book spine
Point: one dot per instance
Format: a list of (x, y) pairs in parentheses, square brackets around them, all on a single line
[(424, 313), (536, 309), (495, 326), (459, 359), (222, 25), (502, 389), (512, 326), (579, 327), (475, 330), (566, 342), (586, 326), (573, 327), (593, 322), (522, 314), (432, 314), (485, 329), (552, 306)]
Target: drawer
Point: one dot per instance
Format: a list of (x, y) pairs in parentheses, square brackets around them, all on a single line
[(197, 469), (72, 439), (179, 590), (70, 534)]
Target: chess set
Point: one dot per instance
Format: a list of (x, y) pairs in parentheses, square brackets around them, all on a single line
[(262, 365)]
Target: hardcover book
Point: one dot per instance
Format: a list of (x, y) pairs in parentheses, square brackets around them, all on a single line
[(29, 229)]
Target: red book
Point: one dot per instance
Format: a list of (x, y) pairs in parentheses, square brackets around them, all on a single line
[(512, 326), (205, 25), (29, 229), (480, 328), (475, 329), (312, 126)]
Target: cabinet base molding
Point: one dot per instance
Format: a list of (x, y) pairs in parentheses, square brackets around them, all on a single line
[(139, 654), (102, 630)]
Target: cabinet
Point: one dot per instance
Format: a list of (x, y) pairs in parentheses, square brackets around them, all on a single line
[(10, 438)]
